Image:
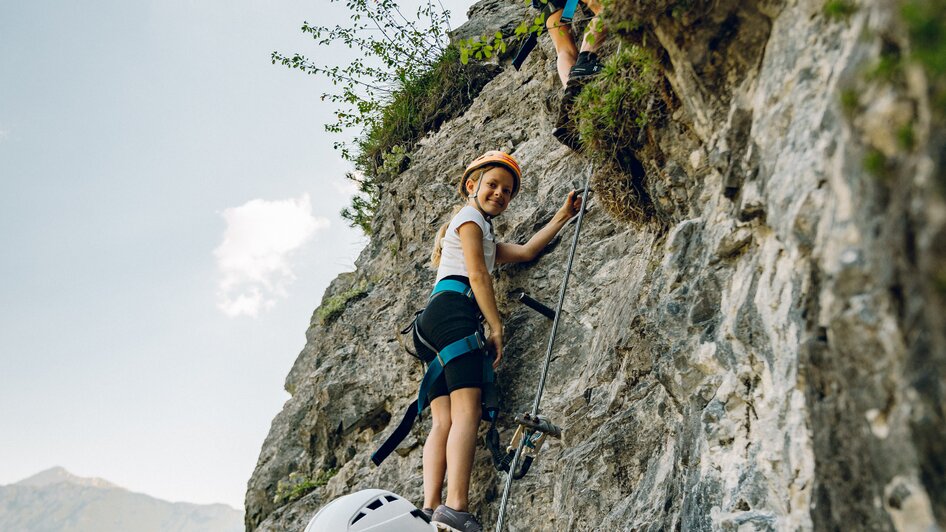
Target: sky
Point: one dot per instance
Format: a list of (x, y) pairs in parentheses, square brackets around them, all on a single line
[(168, 223)]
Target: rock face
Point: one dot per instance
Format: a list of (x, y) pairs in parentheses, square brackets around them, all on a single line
[(767, 353)]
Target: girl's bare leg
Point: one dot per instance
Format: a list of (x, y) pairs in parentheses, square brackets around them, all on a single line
[(435, 451), (595, 33), (465, 413), (564, 45)]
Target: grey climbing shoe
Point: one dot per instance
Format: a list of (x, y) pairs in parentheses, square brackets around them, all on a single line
[(429, 512), (449, 520)]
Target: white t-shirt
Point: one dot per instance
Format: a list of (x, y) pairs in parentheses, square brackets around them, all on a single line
[(451, 254)]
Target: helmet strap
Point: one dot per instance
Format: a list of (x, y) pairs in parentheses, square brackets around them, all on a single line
[(476, 199)]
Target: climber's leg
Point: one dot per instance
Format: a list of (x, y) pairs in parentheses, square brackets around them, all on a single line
[(596, 32), (435, 451), (565, 48), (465, 414)]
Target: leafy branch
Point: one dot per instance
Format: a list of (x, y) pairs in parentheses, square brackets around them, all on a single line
[(406, 80)]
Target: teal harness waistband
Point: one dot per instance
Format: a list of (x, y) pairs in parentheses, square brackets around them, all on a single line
[(452, 285), (473, 343)]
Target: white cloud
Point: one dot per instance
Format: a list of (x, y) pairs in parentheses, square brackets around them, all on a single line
[(254, 259), (345, 187), (4, 134)]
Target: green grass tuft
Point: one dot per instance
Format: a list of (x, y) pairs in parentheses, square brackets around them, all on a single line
[(926, 23), (888, 68), (299, 485), (335, 306), (906, 137), (875, 163), (839, 9), (850, 101)]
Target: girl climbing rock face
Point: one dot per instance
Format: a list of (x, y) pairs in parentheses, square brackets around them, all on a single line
[(465, 255)]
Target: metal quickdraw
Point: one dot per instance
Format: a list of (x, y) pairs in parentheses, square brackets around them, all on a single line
[(533, 432)]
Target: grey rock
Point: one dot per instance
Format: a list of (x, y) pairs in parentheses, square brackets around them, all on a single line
[(771, 361)]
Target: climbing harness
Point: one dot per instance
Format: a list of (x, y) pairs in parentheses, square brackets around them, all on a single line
[(465, 346), (546, 11), (568, 12), (533, 428)]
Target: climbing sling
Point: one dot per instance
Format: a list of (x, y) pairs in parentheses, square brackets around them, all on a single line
[(471, 344), (532, 427)]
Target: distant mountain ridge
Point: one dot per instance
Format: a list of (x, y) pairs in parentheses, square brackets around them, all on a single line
[(57, 475), (56, 500)]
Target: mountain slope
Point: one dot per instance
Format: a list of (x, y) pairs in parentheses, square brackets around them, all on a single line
[(56, 500)]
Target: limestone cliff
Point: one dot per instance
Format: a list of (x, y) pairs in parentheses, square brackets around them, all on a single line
[(761, 349)]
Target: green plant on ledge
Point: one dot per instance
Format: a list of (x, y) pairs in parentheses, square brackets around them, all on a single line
[(614, 108), (613, 113), (298, 485), (839, 9), (926, 22), (333, 307)]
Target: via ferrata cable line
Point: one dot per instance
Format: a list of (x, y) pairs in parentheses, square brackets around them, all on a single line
[(532, 423)]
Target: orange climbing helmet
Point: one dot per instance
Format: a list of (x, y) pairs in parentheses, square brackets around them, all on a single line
[(494, 158)]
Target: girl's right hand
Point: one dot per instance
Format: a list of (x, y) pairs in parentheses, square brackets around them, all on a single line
[(572, 204), (495, 345)]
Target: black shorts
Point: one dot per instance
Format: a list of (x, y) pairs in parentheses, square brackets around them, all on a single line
[(558, 4), (449, 317)]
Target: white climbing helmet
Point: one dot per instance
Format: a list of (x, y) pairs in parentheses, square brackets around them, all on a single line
[(369, 511)]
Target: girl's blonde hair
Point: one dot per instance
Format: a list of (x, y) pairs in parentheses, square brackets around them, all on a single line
[(442, 232)]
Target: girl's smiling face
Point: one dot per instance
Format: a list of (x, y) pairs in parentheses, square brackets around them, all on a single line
[(493, 190)]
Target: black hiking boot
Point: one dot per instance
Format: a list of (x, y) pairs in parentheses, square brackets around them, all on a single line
[(586, 66), (564, 126), (447, 519)]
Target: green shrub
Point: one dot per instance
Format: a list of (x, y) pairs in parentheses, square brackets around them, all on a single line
[(617, 105), (333, 307), (612, 115), (421, 105), (406, 81)]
